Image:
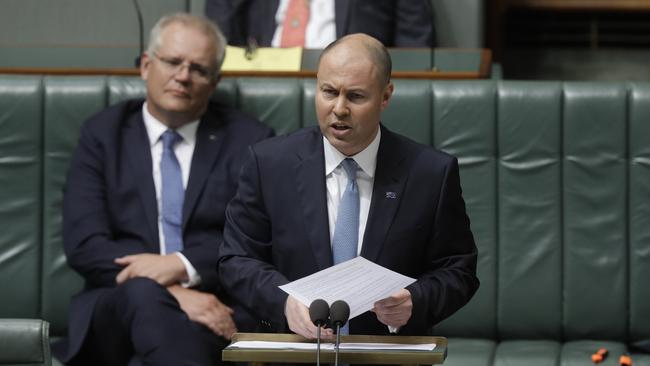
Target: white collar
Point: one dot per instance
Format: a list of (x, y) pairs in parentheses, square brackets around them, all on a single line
[(366, 159), (155, 128)]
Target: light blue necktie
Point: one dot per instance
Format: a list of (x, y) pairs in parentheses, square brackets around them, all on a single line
[(173, 193), (346, 231)]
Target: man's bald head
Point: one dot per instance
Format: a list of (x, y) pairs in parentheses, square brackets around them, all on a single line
[(371, 47)]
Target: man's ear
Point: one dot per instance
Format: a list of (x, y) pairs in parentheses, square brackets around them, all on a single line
[(145, 63), (388, 93)]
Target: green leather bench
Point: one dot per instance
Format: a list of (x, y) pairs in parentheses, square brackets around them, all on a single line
[(24, 342), (556, 177)]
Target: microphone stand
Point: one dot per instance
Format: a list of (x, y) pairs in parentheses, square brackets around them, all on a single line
[(318, 345), (319, 312), (338, 342), (339, 314)]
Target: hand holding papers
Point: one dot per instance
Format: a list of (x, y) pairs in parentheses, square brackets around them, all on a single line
[(359, 282)]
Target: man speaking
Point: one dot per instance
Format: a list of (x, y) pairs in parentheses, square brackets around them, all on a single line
[(321, 196)]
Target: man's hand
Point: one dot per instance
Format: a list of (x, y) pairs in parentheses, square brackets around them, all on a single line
[(164, 269), (395, 310), (206, 309), (299, 322)]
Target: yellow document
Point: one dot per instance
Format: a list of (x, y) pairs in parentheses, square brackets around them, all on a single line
[(262, 59)]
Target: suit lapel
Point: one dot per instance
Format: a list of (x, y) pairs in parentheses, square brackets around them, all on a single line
[(310, 185), (390, 179), (209, 139), (342, 12), (138, 150), (267, 17)]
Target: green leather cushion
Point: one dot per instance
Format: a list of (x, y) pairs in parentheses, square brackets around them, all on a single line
[(639, 214), (594, 243), (68, 102), (529, 210), (408, 108), (277, 102), (21, 99), (24, 342), (470, 352), (464, 124)]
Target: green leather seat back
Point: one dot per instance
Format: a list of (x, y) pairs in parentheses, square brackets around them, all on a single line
[(69, 101), (409, 106), (464, 124), (639, 211), (275, 101), (595, 247), (121, 88), (308, 102), (529, 210), (21, 99)]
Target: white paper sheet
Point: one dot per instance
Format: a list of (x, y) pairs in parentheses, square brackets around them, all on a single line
[(359, 282), (330, 346)]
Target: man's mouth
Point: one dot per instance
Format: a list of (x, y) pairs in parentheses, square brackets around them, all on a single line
[(178, 93), (340, 127)]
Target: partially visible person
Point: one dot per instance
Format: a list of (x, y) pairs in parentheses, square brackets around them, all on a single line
[(144, 206), (349, 187), (395, 23)]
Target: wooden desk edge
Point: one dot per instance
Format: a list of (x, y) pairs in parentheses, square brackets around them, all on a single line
[(482, 73), (437, 356)]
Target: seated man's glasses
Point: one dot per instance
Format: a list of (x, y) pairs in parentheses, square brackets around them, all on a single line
[(198, 73)]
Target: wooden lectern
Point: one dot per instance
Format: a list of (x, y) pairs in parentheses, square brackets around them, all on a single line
[(400, 357)]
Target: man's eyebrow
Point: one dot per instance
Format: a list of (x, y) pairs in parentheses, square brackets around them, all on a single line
[(358, 90)]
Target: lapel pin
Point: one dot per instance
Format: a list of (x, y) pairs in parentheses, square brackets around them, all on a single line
[(391, 195), (212, 137)]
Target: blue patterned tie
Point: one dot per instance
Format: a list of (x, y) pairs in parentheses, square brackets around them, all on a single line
[(172, 193), (346, 231)]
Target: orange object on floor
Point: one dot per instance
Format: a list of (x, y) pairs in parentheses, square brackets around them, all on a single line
[(600, 355), (625, 360)]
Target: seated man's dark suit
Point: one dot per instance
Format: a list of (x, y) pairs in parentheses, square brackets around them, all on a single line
[(277, 228), (110, 208), (396, 23)]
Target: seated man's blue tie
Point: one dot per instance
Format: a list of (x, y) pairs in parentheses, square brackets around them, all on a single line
[(346, 231), (173, 193)]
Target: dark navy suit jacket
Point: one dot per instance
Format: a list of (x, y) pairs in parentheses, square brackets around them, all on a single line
[(396, 23), (110, 208), (277, 228)]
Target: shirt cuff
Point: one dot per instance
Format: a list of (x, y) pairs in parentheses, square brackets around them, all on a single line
[(194, 279)]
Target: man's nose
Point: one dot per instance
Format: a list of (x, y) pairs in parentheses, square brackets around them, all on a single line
[(183, 73), (341, 106)]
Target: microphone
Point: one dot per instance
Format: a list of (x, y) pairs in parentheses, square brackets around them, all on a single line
[(139, 15), (251, 48), (339, 314), (319, 312)]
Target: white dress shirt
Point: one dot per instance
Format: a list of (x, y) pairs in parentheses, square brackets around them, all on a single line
[(336, 180), (184, 151), (321, 27)]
